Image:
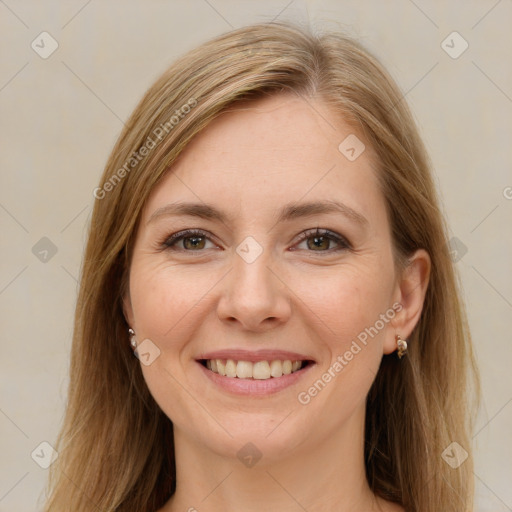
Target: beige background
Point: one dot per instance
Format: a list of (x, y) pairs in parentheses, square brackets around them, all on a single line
[(60, 117)]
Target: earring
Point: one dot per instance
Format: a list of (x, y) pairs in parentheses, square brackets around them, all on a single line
[(133, 341), (402, 346)]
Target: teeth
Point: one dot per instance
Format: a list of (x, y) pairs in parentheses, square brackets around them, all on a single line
[(276, 368), (221, 367), (230, 368), (260, 370), (243, 370)]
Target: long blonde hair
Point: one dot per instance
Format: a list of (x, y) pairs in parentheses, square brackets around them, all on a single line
[(116, 445)]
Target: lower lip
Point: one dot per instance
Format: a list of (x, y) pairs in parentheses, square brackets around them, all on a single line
[(255, 387)]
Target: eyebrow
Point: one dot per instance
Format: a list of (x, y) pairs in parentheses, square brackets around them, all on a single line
[(288, 212)]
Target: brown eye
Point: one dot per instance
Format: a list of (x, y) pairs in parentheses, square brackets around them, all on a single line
[(196, 242), (321, 240), (318, 242), (190, 240)]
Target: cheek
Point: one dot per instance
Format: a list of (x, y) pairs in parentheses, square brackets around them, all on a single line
[(163, 299), (348, 300), (161, 296), (349, 303)]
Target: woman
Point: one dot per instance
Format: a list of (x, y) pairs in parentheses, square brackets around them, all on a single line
[(267, 240)]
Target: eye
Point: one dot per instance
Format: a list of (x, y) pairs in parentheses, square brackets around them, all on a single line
[(191, 240), (195, 240), (320, 240)]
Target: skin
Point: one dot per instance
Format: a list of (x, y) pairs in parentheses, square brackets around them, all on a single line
[(294, 296)]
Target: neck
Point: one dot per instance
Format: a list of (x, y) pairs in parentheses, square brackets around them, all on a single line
[(324, 476)]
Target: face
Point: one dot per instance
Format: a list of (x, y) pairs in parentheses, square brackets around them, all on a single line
[(288, 268)]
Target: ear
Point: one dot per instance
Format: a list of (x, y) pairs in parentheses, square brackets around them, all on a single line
[(127, 309), (410, 291)]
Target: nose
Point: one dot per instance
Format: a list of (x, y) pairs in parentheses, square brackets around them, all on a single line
[(254, 296)]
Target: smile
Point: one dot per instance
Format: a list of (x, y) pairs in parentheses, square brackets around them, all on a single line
[(259, 370), (255, 373)]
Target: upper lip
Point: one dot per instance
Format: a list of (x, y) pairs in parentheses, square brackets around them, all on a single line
[(255, 355)]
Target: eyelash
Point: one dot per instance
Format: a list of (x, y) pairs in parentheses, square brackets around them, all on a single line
[(171, 241)]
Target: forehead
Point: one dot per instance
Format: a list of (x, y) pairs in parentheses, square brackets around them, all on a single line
[(271, 151)]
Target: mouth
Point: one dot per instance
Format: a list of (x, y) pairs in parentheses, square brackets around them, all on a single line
[(254, 373), (255, 370)]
